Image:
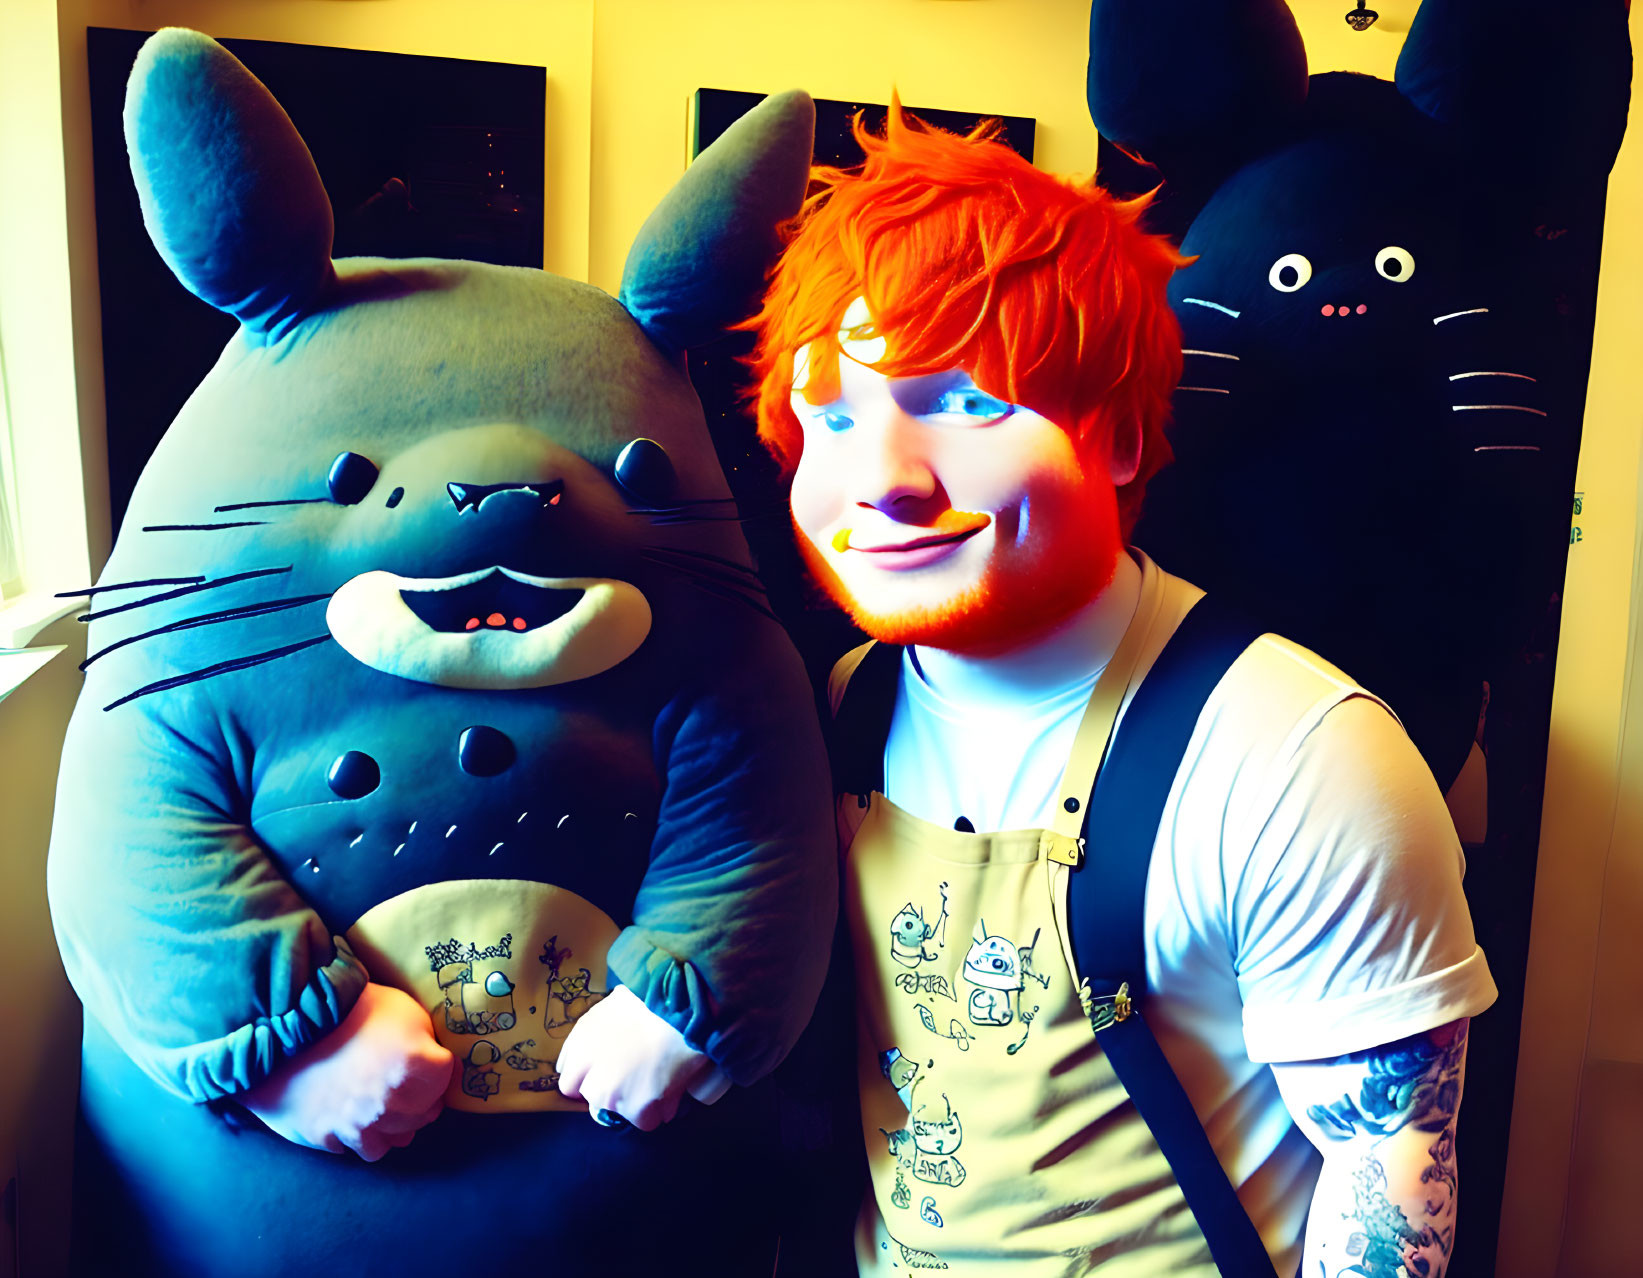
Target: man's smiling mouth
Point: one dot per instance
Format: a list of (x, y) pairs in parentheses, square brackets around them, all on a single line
[(919, 543), (951, 529)]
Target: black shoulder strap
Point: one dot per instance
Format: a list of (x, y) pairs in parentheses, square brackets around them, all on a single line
[(862, 725), (1122, 817), (1105, 904)]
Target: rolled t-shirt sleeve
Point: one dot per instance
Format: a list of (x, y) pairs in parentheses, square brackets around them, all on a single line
[(1348, 924)]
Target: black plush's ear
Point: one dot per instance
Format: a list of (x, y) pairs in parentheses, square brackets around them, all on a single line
[(698, 262), (229, 192), (1524, 80), (1194, 87)]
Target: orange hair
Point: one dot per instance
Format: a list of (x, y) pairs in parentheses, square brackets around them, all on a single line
[(1045, 291)]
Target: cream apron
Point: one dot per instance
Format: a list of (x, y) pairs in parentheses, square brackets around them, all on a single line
[(999, 1140)]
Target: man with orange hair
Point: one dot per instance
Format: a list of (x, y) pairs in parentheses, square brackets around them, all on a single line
[(965, 364)]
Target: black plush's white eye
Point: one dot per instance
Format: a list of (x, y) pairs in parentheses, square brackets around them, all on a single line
[(1395, 264), (1289, 273)]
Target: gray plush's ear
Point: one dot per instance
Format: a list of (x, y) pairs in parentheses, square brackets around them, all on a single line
[(698, 263), (229, 192)]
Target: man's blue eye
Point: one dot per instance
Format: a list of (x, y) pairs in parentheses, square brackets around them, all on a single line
[(969, 401), (837, 421)]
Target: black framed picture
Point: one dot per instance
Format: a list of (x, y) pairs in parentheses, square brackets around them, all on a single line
[(421, 156), (712, 111)]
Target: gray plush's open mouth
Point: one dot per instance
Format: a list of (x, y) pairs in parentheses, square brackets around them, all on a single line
[(494, 602)]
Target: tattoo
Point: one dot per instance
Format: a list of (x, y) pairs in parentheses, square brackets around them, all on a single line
[(1380, 1249), (1388, 1245), (1414, 1081), (1443, 1181)]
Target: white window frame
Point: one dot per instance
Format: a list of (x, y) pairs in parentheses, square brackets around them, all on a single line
[(11, 559), (47, 373)]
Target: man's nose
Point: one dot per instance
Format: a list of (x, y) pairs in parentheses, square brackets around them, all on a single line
[(896, 473)]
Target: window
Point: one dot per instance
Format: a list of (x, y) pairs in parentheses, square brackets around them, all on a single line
[(11, 568)]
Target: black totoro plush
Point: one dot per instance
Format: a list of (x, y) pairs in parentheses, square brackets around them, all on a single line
[(1373, 450)]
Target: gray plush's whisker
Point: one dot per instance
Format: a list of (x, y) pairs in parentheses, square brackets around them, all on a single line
[(253, 505), (186, 590), (243, 613), (707, 557), (710, 587), (221, 668), (126, 585), (680, 504), (708, 574), (237, 523)]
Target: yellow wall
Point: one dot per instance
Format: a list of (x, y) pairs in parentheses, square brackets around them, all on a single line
[(1572, 1193), (1012, 57), (1023, 57)]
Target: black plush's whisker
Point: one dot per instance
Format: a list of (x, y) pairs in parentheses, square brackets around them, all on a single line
[(221, 668), (1214, 306), (1456, 377), (1476, 310), (126, 585), (185, 590), (706, 573), (1486, 408), (238, 523), (732, 594), (1207, 390), (1507, 448), (707, 557), (1209, 354), (243, 613), (252, 505)]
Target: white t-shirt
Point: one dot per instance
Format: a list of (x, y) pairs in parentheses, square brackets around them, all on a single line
[(1304, 897)]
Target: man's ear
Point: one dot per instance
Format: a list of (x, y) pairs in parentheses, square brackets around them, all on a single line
[(1124, 452)]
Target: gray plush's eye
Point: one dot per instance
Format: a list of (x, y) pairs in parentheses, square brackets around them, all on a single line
[(645, 472), (350, 478)]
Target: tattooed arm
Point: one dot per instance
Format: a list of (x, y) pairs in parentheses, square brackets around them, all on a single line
[(1384, 1120)]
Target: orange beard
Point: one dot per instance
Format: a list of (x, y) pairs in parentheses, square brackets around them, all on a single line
[(1006, 608)]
